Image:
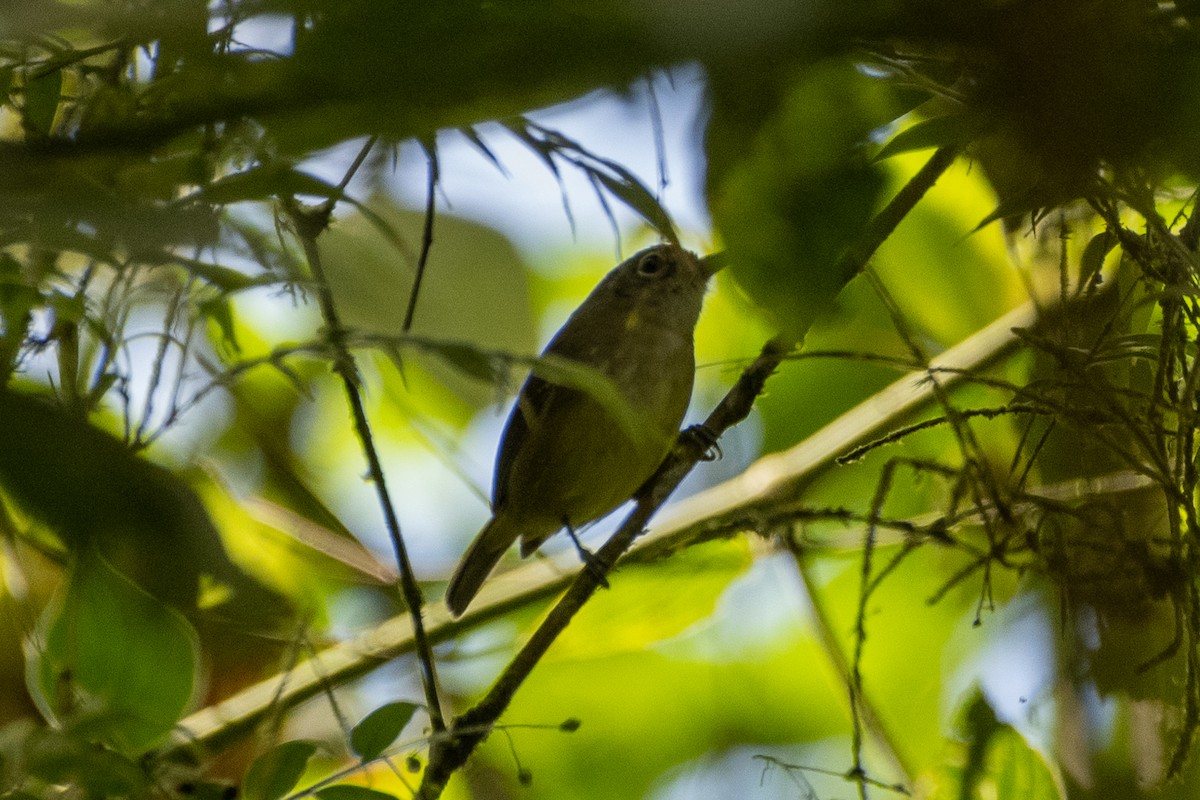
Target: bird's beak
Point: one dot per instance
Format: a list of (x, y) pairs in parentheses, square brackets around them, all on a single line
[(714, 263)]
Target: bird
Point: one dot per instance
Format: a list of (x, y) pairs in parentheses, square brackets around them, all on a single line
[(573, 450)]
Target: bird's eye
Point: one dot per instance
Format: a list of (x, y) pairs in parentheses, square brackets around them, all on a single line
[(651, 264)]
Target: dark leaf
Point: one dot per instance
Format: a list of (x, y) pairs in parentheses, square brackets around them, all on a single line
[(60, 757), (1094, 253), (791, 187), (41, 102), (88, 489), (379, 729), (125, 690), (260, 183), (348, 791), (276, 772), (626, 187), (931, 133)]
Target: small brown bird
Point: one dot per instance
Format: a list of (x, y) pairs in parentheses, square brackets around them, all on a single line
[(570, 455)]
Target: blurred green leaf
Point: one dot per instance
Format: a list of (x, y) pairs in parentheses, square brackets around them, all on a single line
[(6, 80), (276, 772), (742, 679), (970, 276), (63, 758), (475, 63), (474, 302), (116, 665), (791, 190), (218, 312), (260, 183), (379, 729), (999, 762), (929, 133), (41, 102), (1094, 253), (905, 655), (348, 791), (67, 308), (92, 492)]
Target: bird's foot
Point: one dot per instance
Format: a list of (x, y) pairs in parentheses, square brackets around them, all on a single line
[(704, 439), (596, 566)]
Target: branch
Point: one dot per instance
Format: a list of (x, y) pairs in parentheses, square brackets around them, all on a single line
[(308, 225), (682, 524), (399, 636), (466, 732)]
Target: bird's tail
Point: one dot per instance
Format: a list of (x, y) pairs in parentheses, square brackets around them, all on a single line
[(477, 563)]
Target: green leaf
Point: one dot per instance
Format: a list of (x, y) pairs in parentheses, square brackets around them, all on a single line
[(348, 791), (633, 193), (471, 361), (224, 278), (116, 664), (260, 183), (791, 187), (930, 133), (218, 312), (380, 728), (61, 757), (68, 307), (6, 79), (1094, 253), (277, 771), (85, 487), (998, 761), (1017, 770), (41, 102)]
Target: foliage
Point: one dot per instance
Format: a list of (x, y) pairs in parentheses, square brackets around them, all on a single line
[(202, 339)]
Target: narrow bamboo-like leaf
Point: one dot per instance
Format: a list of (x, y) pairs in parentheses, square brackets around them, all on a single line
[(260, 183), (930, 133), (469, 360), (630, 191), (222, 277), (479, 144)]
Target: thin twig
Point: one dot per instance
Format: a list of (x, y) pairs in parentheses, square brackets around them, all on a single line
[(426, 236), (332, 200), (308, 225), (823, 620)]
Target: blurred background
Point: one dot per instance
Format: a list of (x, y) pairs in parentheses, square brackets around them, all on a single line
[(190, 511)]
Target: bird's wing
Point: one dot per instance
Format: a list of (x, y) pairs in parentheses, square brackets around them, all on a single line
[(531, 402)]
